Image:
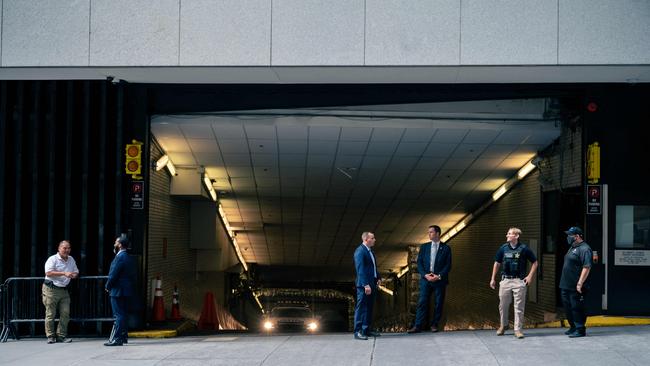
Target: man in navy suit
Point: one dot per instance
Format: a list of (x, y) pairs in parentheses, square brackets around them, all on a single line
[(366, 284), (434, 264), (121, 279)]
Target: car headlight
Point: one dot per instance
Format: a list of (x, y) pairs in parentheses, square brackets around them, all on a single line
[(312, 326), (268, 325)]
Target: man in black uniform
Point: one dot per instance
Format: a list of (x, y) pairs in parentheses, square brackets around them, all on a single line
[(577, 264), (514, 281)]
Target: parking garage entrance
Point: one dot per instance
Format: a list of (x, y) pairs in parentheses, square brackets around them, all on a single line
[(280, 197)]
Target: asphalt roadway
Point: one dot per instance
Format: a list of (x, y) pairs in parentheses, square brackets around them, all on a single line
[(603, 346)]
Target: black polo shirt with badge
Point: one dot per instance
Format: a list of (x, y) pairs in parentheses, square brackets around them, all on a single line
[(577, 257)]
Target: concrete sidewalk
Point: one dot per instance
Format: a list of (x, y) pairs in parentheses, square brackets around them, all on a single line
[(603, 346)]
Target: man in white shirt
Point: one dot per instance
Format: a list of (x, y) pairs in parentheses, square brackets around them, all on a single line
[(59, 270)]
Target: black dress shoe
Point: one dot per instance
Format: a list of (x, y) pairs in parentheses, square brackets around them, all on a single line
[(359, 335), (413, 330), (374, 334), (112, 344), (434, 329), (569, 331), (577, 334)]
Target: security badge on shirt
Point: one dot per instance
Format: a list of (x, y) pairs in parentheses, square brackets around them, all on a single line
[(511, 255)]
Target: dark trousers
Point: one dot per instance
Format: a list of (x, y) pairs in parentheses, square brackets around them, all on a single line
[(120, 330), (426, 289), (363, 310), (574, 308)]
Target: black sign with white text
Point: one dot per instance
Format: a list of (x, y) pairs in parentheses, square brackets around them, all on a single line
[(593, 200), (137, 195)]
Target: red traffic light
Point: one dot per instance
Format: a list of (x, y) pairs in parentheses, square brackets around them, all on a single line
[(592, 107)]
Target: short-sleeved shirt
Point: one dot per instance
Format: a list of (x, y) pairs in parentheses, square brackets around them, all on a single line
[(57, 264), (576, 258), (514, 260)]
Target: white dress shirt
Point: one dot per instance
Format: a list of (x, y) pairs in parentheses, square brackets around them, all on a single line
[(434, 252), (374, 264)]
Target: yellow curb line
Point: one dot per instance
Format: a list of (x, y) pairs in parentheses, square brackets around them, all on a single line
[(601, 321), (154, 334), (169, 333)]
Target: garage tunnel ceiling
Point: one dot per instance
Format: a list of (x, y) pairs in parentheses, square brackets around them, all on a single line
[(302, 185)]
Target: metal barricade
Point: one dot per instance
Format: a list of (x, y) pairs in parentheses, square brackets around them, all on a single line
[(22, 303)]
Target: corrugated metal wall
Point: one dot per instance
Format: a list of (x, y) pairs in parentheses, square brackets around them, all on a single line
[(60, 158), (169, 225), (471, 303)]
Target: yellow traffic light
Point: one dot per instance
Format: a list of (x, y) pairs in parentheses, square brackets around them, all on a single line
[(133, 162)]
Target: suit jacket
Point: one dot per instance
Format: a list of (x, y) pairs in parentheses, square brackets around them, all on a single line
[(365, 268), (121, 276), (443, 262)]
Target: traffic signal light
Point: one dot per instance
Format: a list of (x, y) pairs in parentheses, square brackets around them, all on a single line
[(133, 162)]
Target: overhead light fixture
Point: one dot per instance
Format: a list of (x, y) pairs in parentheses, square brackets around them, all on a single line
[(171, 168), (500, 192), (523, 172), (162, 162), (403, 271), (239, 255), (165, 162), (385, 289), (209, 187)]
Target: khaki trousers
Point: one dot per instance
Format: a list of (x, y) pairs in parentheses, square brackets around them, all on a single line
[(509, 288), (56, 299)]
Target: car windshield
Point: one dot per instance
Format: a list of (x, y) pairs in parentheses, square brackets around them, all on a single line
[(291, 313)]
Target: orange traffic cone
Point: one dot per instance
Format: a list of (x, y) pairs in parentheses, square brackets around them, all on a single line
[(158, 302), (176, 311), (208, 319)]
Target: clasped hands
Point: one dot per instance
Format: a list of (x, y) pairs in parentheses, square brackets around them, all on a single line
[(432, 277)]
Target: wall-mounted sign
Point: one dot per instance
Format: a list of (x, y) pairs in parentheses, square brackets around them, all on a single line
[(593, 199), (593, 163), (137, 195), (632, 257)]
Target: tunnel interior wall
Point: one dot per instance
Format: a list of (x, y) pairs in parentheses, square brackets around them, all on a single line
[(170, 252)]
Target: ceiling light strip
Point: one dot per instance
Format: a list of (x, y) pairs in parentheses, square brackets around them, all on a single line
[(231, 234), (257, 300), (385, 289), (208, 185), (403, 271), (496, 195)]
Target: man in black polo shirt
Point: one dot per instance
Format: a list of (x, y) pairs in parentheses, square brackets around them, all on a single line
[(573, 283), (514, 281)]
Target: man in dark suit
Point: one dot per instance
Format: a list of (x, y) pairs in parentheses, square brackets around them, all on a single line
[(121, 279), (434, 264), (366, 284)]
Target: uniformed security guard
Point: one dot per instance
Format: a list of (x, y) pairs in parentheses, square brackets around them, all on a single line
[(513, 255), (573, 283)]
